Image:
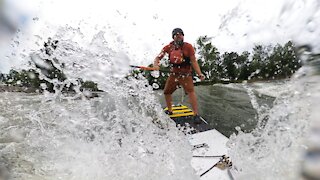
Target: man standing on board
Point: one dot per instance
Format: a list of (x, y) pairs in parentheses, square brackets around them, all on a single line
[(182, 59)]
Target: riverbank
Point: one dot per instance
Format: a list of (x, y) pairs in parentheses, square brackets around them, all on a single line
[(9, 88), (253, 80), (6, 88)]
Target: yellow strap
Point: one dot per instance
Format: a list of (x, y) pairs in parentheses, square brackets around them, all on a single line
[(177, 107), (182, 114), (181, 111)]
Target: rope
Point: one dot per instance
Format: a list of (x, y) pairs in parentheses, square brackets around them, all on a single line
[(223, 163), (207, 156), (183, 94), (209, 169), (145, 68)]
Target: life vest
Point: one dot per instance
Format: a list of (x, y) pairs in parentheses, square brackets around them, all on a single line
[(177, 58)]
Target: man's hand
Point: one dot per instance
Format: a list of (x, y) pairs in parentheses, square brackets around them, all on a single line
[(202, 77), (156, 64), (156, 68)]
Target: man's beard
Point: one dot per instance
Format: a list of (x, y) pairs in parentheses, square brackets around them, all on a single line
[(178, 42)]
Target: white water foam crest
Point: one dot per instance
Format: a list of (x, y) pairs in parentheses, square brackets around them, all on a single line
[(123, 134), (276, 150), (106, 138), (94, 61)]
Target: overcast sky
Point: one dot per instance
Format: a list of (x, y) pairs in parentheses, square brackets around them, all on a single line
[(142, 27)]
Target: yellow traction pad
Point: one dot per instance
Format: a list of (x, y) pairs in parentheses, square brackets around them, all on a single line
[(180, 111)]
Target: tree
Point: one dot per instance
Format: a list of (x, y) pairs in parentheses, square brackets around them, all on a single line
[(52, 70), (290, 61), (259, 64), (230, 63), (244, 66), (283, 61), (208, 59)]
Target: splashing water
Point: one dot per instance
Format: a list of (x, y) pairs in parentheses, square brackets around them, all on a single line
[(122, 134), (278, 147)]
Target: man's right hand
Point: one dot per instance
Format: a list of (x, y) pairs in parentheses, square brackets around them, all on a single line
[(156, 68), (156, 63)]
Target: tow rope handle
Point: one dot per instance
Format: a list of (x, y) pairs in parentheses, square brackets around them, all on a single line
[(145, 68)]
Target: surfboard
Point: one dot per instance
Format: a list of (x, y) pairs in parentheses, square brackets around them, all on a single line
[(210, 158)]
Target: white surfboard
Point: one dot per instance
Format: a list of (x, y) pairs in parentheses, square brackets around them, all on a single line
[(210, 151), (213, 152)]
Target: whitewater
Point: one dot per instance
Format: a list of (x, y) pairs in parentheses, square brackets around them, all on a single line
[(124, 134)]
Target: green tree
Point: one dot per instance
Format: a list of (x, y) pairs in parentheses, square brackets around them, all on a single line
[(258, 67), (244, 63), (283, 61), (13, 77), (230, 63), (209, 58), (289, 62)]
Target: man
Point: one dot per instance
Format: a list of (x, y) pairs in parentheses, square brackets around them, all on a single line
[(182, 59)]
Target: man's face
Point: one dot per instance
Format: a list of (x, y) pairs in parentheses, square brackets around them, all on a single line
[(178, 37)]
